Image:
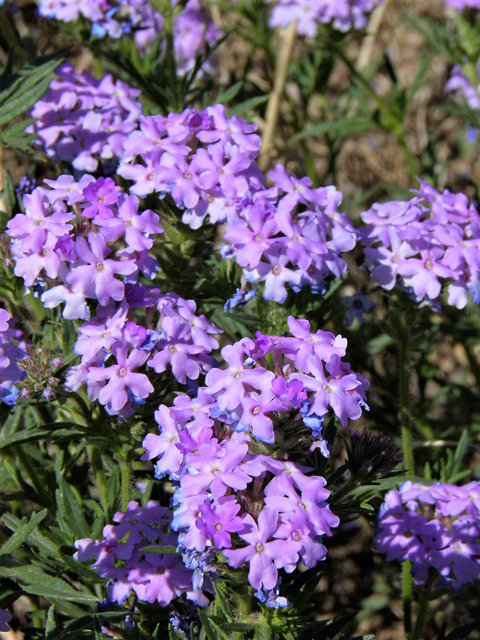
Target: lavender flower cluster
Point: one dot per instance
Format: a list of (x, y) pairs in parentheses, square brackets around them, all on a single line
[(435, 527), (119, 557), (12, 349), (230, 493), (85, 121), (464, 4), (193, 27), (461, 84), (290, 234), (86, 241), (424, 244), (203, 159), (342, 14)]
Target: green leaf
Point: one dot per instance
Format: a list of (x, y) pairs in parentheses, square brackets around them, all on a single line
[(242, 108), (70, 513), (161, 549), (9, 195), (212, 630), (23, 532), (51, 625), (225, 96), (16, 137), (20, 91), (343, 128), (35, 581)]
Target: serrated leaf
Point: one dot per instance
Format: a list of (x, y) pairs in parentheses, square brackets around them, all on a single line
[(212, 630), (70, 514), (36, 582), (21, 90), (23, 532), (51, 625)]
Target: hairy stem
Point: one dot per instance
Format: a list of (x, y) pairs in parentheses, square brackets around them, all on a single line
[(404, 400), (407, 598), (422, 614)]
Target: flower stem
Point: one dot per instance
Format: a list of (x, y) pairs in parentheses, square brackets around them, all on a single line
[(404, 399), (125, 475), (407, 599), (422, 613)]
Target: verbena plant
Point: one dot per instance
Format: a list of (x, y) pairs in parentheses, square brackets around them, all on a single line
[(218, 376)]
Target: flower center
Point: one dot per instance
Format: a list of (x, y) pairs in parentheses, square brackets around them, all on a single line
[(277, 269), (256, 411), (99, 266), (296, 536), (239, 374), (258, 238), (122, 372), (259, 547), (218, 527), (428, 264)]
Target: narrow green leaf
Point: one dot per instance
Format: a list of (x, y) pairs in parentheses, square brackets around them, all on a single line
[(160, 549), (70, 511), (9, 195), (21, 90), (36, 582), (212, 630), (51, 625), (23, 532), (225, 96)]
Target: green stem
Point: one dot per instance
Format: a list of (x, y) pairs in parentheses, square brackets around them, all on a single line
[(404, 399), (407, 598), (125, 475), (422, 614)]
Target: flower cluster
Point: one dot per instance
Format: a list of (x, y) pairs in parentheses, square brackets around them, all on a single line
[(179, 340), (119, 556), (290, 234), (86, 241), (343, 14), (435, 527), (425, 243), (231, 493), (464, 4), (84, 121), (12, 350), (193, 27), (204, 160), (84, 234), (460, 83)]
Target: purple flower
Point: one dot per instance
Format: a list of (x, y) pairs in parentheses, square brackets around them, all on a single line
[(264, 556), (96, 273), (4, 618), (435, 527), (121, 377)]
